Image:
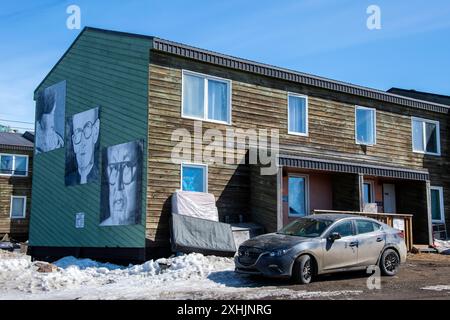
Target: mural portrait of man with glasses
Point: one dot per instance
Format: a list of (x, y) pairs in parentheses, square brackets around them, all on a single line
[(122, 184), (82, 143)]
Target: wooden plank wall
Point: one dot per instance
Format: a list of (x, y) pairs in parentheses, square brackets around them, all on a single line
[(261, 103), (412, 199), (345, 189), (15, 186), (263, 203)]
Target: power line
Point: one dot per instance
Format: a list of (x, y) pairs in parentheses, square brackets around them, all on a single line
[(22, 128), (25, 122)]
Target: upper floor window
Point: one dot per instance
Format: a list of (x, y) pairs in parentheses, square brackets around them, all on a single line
[(194, 177), (425, 136), (206, 97), (365, 122), (297, 114), (13, 165)]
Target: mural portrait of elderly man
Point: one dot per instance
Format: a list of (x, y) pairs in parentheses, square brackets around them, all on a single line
[(50, 109), (82, 145), (122, 184)]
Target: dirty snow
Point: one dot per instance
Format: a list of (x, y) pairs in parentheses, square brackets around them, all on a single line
[(437, 288), (192, 276)]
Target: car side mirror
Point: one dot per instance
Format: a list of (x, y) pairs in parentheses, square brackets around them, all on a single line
[(334, 236)]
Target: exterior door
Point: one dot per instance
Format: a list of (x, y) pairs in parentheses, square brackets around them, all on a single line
[(341, 253), (389, 198)]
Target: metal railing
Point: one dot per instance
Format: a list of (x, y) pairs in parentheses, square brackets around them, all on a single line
[(399, 219)]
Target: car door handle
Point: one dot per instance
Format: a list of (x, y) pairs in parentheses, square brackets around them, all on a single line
[(379, 239), (353, 244)]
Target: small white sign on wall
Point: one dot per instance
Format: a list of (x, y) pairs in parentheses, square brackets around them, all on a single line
[(79, 220), (398, 224)]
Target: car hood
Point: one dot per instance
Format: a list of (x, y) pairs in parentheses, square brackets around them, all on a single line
[(274, 241)]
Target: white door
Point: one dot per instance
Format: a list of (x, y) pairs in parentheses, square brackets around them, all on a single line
[(389, 198)]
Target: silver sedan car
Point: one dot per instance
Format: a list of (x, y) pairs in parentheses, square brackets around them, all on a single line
[(323, 243)]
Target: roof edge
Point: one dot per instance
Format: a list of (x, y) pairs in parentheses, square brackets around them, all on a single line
[(85, 29), (232, 62), (228, 61)]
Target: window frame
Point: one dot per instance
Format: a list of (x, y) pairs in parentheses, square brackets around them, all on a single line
[(298, 95), (197, 165), (306, 177), (441, 204), (367, 221), (207, 77), (438, 136), (13, 174), (337, 223), (24, 212), (374, 125), (372, 190)]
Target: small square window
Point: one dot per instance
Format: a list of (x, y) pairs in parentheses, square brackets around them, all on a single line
[(18, 207), (365, 119), (194, 177), (20, 165)]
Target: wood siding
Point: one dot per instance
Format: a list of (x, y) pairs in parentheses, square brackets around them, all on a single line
[(260, 102), (15, 186), (263, 203)]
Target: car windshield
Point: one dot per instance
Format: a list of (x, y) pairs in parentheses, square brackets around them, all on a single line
[(305, 227)]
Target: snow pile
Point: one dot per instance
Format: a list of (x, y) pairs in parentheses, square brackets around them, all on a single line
[(191, 276), (83, 263), (443, 247), (437, 288)]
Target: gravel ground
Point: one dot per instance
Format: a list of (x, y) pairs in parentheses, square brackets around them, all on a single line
[(424, 276)]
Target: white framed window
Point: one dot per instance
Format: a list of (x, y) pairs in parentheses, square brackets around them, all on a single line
[(205, 97), (18, 207), (365, 125), (13, 165), (437, 204), (194, 177), (426, 136), (298, 195), (297, 114), (368, 192)]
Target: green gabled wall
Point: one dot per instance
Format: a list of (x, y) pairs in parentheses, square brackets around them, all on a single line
[(108, 70)]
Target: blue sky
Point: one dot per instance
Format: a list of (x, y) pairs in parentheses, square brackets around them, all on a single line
[(325, 38)]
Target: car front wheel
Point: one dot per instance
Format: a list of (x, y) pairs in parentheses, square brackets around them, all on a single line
[(303, 270), (390, 262)]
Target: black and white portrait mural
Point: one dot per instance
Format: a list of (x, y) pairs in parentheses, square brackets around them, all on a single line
[(50, 111), (121, 194), (82, 147)]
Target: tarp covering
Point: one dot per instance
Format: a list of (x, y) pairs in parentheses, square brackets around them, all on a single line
[(195, 204), (191, 234)]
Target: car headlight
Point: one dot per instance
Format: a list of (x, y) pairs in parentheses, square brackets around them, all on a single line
[(278, 253)]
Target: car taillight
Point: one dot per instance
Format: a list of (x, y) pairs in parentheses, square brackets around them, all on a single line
[(401, 234)]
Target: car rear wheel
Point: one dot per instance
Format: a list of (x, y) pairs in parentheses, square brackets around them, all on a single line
[(389, 262), (303, 270)]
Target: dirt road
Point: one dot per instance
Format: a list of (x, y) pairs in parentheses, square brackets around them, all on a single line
[(421, 271)]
